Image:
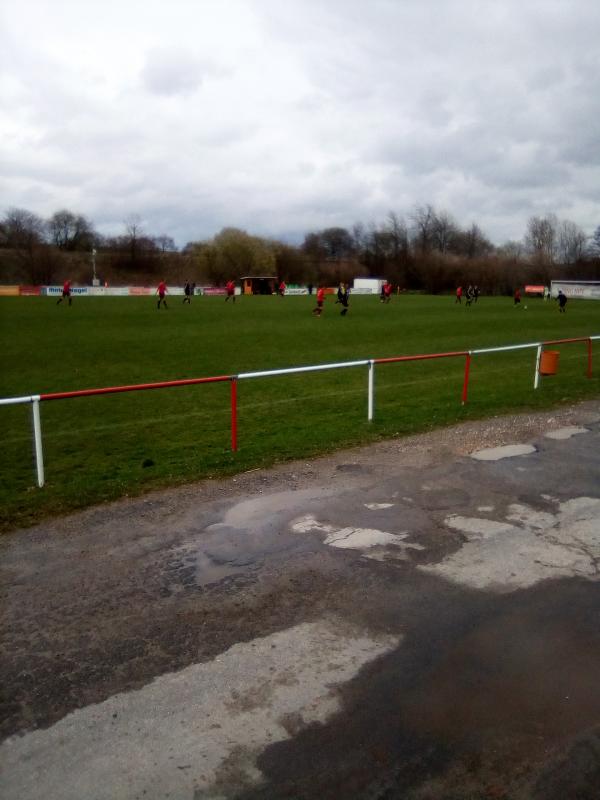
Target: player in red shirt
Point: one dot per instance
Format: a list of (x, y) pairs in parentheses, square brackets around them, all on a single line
[(387, 292), (458, 295), (66, 292), (517, 296), (282, 288), (230, 286), (161, 291), (318, 309)]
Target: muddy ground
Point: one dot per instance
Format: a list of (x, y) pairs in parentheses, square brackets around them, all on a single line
[(398, 621)]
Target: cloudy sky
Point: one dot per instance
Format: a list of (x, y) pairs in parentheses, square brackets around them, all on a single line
[(284, 116)]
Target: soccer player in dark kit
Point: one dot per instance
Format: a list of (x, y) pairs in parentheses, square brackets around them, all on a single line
[(343, 297), (562, 301)]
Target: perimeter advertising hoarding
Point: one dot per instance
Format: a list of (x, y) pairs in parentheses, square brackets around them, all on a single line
[(106, 291), (296, 290), (58, 290), (87, 291), (583, 290), (367, 285), (137, 290)]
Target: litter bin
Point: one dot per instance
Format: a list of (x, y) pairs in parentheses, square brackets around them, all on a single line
[(549, 362)]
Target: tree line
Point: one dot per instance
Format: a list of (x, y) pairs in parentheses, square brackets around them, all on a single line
[(425, 250)]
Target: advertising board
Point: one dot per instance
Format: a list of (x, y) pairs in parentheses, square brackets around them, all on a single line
[(583, 290)]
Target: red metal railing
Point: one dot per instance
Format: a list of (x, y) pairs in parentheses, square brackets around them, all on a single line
[(233, 379)]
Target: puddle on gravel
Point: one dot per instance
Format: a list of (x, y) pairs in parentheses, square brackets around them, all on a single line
[(249, 533), (565, 433), (212, 569), (506, 451), (225, 552), (269, 509)]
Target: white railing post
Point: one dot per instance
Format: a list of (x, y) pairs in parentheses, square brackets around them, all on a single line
[(37, 440), (536, 380), (371, 393)]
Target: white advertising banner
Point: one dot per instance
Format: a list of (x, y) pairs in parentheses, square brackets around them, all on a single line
[(79, 291), (110, 291), (584, 290), (368, 285)]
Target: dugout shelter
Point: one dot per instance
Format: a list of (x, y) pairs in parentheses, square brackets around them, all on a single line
[(259, 284)]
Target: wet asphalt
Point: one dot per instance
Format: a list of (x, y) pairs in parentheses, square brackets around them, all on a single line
[(483, 678)]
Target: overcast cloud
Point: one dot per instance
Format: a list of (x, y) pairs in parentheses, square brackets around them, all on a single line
[(284, 116)]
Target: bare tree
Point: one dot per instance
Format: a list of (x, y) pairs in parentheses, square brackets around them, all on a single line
[(166, 244), (134, 231), (541, 238), (571, 242), (594, 245), (512, 251), (70, 231), (337, 242), (23, 230), (444, 231), (398, 232), (423, 219), (358, 236), (474, 243)]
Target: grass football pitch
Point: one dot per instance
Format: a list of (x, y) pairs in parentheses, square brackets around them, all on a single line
[(100, 448)]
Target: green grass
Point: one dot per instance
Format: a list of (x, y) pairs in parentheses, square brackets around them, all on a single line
[(100, 448)]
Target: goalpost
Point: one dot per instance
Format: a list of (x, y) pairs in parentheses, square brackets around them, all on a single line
[(583, 290)]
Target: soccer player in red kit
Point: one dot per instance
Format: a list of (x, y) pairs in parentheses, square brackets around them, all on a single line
[(318, 309), (161, 292), (230, 286), (282, 288), (65, 293)]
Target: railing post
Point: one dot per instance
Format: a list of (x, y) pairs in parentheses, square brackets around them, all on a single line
[(536, 379), (589, 348), (466, 380), (371, 393), (234, 414), (37, 440)]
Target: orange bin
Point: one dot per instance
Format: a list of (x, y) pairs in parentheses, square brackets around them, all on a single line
[(549, 362)]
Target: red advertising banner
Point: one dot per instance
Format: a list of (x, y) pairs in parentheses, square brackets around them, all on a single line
[(30, 291), (534, 290), (135, 290)]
